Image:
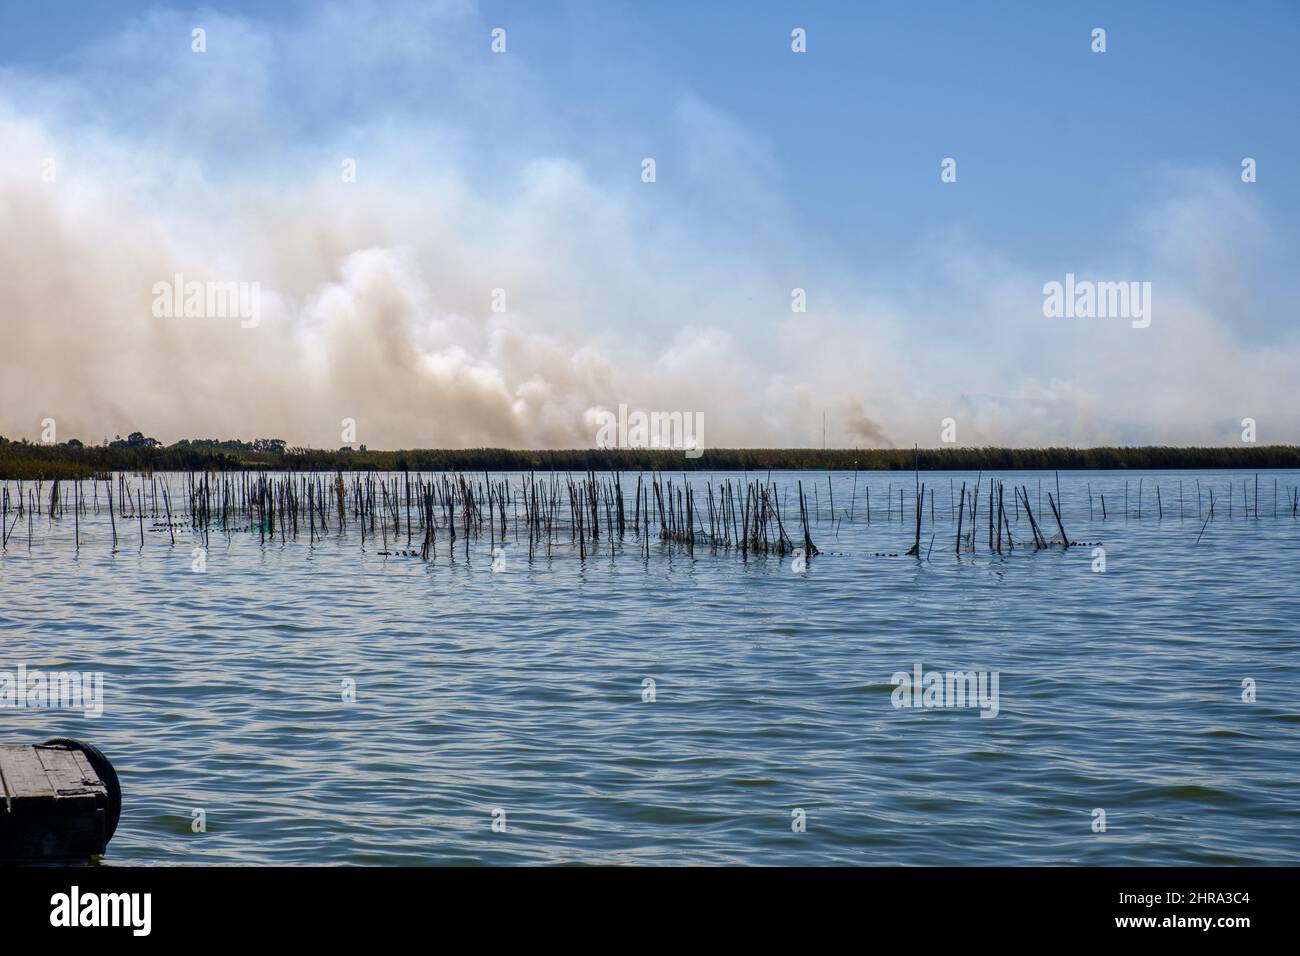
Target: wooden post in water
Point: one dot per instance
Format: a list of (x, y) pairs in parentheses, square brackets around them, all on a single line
[(960, 515), (1207, 517), (111, 519), (916, 547), (1065, 541)]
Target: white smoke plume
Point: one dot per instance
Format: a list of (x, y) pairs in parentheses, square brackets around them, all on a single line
[(377, 295)]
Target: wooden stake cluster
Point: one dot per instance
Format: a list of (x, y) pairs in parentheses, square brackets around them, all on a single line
[(539, 510), (405, 514)]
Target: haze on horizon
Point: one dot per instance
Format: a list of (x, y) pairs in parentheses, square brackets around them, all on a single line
[(522, 172)]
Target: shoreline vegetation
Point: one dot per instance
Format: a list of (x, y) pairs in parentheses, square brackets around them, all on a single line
[(26, 460)]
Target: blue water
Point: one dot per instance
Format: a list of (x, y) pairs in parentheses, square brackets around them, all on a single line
[(521, 690)]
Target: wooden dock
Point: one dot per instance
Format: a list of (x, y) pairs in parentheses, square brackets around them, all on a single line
[(61, 802)]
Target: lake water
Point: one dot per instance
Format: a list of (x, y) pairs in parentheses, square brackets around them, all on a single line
[(520, 694)]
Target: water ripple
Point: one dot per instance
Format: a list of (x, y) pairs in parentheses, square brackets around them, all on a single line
[(521, 693)]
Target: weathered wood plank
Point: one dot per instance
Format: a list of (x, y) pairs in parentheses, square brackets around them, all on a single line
[(70, 776), (64, 772), (24, 774)]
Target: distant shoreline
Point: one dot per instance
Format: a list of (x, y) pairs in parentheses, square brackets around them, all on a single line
[(23, 460)]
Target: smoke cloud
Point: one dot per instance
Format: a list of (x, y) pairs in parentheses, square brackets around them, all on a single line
[(478, 285)]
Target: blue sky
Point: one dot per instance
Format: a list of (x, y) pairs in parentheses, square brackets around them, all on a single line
[(775, 170), (1045, 132)]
